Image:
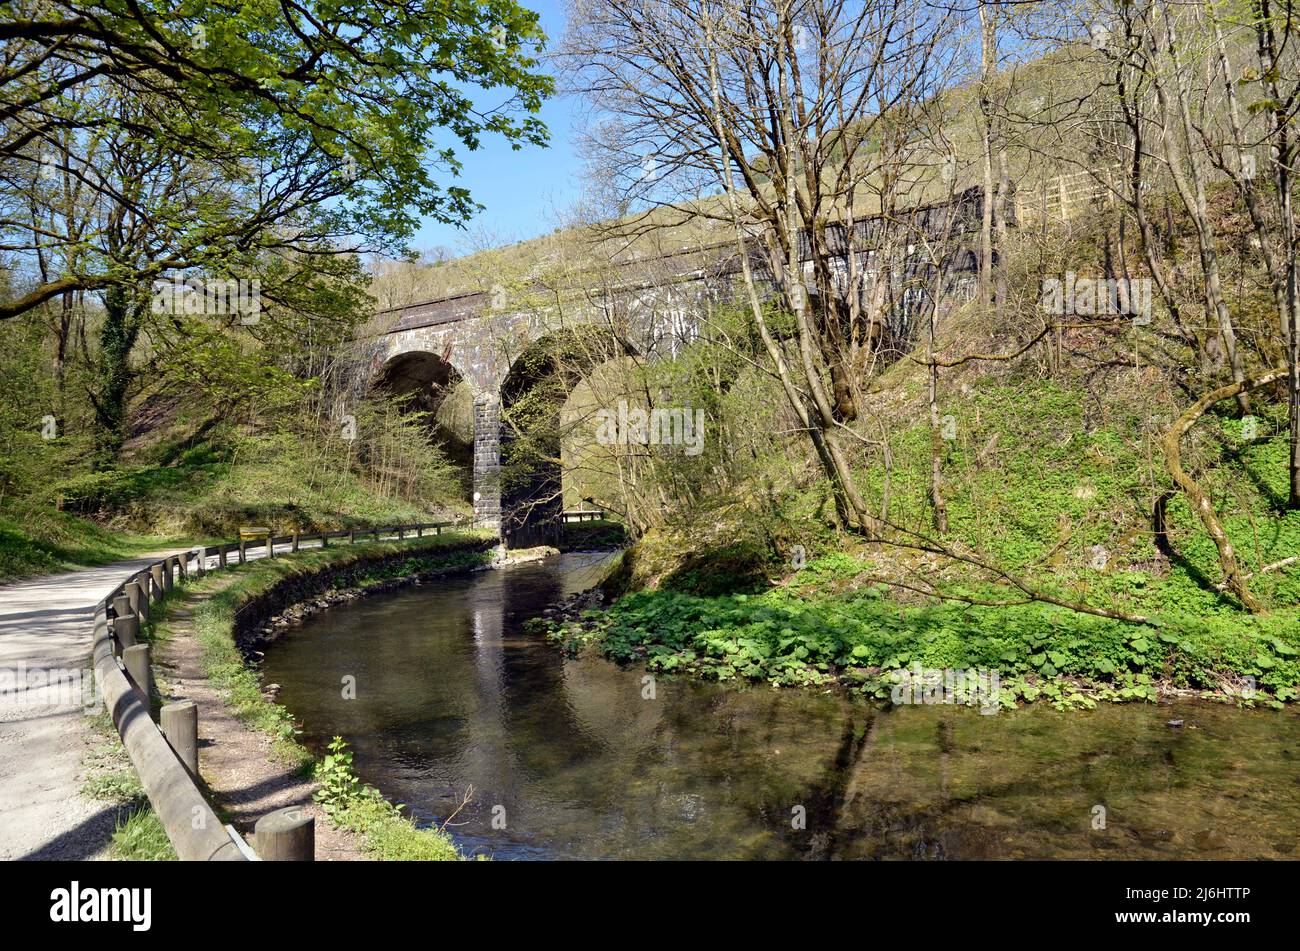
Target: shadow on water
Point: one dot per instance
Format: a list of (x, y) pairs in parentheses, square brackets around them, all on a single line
[(571, 758)]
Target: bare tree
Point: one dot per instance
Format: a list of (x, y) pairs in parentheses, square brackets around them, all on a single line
[(788, 109)]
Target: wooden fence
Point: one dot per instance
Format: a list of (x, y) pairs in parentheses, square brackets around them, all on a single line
[(1066, 196)]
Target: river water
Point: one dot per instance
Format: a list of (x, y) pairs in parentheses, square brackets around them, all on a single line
[(528, 754)]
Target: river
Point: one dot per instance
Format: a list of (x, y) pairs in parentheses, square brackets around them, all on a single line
[(528, 754)]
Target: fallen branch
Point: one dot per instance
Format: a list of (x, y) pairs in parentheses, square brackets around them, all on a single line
[(1265, 570), (933, 546)]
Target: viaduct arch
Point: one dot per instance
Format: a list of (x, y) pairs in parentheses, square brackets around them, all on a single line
[(499, 354), (482, 341)]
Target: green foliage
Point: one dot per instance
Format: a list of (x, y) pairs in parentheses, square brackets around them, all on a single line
[(392, 837), (789, 636), (339, 786), (1041, 474), (120, 786), (140, 837), (366, 105), (28, 400), (358, 807), (270, 138)]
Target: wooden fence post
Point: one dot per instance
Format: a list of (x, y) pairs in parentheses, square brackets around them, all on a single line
[(137, 593), (125, 624), (126, 632), (180, 724), (139, 669), (286, 835)]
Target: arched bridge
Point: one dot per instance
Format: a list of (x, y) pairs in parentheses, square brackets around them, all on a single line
[(495, 343)]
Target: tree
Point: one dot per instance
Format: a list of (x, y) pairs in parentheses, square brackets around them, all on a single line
[(788, 110), (346, 109)]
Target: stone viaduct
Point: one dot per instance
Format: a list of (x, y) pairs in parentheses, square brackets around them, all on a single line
[(650, 307)]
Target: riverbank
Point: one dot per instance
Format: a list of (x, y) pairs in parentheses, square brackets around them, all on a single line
[(827, 624), (250, 757)]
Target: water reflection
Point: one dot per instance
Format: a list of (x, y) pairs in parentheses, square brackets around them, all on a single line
[(452, 697)]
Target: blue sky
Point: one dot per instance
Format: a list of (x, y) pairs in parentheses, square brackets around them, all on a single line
[(520, 191)]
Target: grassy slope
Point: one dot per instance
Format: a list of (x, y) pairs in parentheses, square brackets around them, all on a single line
[(209, 491), (1052, 477), (45, 541), (204, 492), (1036, 508)]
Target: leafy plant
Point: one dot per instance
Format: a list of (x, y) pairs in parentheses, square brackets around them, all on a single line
[(339, 786)]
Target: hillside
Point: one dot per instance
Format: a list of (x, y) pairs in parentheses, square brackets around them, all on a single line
[(1072, 564)]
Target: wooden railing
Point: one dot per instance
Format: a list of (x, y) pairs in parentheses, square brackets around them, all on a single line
[(582, 515), (243, 547), (165, 755), (1066, 196)]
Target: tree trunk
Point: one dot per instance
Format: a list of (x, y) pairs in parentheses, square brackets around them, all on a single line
[(1196, 497), (117, 339), (988, 39)]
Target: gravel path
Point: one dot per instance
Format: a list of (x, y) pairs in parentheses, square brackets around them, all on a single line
[(45, 731), (239, 764)]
